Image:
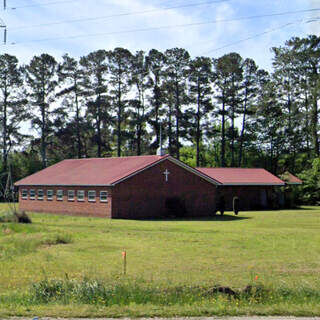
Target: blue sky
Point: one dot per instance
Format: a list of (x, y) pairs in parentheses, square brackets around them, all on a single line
[(26, 26)]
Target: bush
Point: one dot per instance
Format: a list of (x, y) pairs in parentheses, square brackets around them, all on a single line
[(309, 192), (57, 238), (22, 217), (14, 216), (6, 217)]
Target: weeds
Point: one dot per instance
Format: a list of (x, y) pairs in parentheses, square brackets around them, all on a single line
[(6, 217), (57, 238), (15, 217), (124, 292), (118, 293)]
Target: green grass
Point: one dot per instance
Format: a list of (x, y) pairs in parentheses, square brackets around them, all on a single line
[(171, 265)]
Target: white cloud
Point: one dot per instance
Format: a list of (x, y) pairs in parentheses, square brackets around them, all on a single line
[(315, 26)]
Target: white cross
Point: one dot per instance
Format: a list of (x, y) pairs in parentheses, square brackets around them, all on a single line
[(166, 173)]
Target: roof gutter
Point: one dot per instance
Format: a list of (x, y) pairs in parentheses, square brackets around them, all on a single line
[(254, 184), (63, 185)]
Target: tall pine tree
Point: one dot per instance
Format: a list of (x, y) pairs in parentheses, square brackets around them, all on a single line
[(42, 82)]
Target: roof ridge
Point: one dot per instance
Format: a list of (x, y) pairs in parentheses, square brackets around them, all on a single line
[(228, 168), (126, 157), (144, 166)]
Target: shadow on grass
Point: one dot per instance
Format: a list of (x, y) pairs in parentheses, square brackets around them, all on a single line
[(302, 208), (217, 217), (292, 209)]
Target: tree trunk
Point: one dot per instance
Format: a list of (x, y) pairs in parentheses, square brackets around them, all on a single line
[(198, 133), (271, 155), (232, 137), (4, 131), (99, 126), (140, 118), (79, 147), (177, 121), (306, 102), (156, 92), (139, 140), (314, 116), (223, 137), (43, 136), (314, 121), (243, 128), (170, 129)]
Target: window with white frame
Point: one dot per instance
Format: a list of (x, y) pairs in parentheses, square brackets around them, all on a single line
[(32, 194), (80, 195), (24, 194), (49, 195), (103, 196), (40, 194), (70, 195), (60, 195), (91, 196)]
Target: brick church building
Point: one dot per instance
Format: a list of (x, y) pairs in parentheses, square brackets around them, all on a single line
[(141, 187)]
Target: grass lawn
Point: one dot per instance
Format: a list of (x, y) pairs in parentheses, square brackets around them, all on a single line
[(172, 266)]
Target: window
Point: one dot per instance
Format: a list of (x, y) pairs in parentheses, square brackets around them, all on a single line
[(24, 194), (40, 194), (49, 194), (80, 195), (32, 194), (70, 195), (60, 195), (92, 196), (103, 196)]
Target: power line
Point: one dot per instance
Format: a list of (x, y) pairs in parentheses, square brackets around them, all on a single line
[(166, 27), (309, 20), (120, 14), (42, 4), (316, 19)]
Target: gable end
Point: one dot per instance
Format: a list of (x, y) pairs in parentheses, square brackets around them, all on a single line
[(178, 163)]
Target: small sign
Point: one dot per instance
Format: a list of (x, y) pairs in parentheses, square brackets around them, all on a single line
[(124, 254)]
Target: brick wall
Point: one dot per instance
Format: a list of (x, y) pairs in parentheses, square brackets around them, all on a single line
[(250, 197), (144, 195), (75, 207)]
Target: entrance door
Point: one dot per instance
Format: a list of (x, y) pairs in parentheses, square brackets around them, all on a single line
[(263, 198)]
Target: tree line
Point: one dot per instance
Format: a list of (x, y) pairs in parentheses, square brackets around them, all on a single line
[(222, 111)]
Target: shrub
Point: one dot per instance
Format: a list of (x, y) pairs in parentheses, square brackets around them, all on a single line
[(22, 217), (12, 215), (57, 238), (6, 217), (309, 191)]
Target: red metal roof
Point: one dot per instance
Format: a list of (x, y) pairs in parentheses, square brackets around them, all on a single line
[(242, 176), (289, 178), (90, 172), (108, 171)]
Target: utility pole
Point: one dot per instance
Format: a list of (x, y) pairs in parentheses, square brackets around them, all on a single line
[(3, 25)]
